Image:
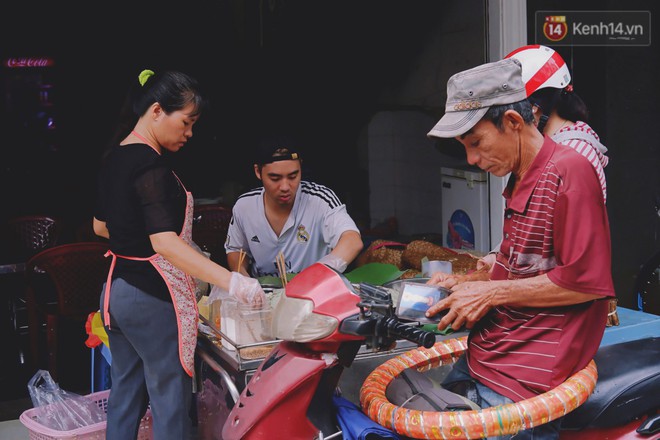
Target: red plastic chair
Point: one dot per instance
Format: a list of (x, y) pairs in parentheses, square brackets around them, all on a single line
[(210, 224), (77, 271)]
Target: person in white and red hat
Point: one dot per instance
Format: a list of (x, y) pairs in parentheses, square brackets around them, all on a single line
[(558, 110), (540, 316)]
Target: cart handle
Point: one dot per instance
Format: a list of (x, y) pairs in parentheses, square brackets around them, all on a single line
[(233, 391)]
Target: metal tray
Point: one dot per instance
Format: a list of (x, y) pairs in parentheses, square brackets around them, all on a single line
[(232, 352)]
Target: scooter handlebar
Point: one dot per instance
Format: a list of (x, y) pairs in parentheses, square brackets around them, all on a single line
[(410, 333)]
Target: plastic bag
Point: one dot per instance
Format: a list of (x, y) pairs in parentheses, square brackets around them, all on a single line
[(59, 409)]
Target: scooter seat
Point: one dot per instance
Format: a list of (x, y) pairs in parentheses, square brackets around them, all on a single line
[(628, 386)]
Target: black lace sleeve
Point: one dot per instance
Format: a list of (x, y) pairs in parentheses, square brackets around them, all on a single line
[(162, 198)]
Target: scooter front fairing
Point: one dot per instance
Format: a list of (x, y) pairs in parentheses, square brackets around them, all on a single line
[(278, 393), (299, 370)]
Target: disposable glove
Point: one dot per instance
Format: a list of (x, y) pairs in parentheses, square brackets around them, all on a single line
[(218, 292), (246, 290), (337, 263)]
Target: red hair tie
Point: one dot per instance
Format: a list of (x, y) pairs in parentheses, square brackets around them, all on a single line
[(569, 88)]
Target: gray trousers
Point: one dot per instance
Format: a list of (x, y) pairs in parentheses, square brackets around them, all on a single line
[(145, 367)]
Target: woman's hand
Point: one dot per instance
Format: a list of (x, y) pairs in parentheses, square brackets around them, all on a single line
[(246, 290)]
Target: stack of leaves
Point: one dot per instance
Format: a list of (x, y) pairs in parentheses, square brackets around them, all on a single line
[(415, 252), (382, 251), (409, 257)]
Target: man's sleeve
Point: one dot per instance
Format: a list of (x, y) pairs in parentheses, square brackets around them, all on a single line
[(582, 242), (235, 236), (335, 223)]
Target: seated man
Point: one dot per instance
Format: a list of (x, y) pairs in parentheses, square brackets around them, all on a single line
[(541, 315), (304, 221)]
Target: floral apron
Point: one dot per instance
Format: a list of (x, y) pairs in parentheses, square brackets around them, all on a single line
[(182, 291)]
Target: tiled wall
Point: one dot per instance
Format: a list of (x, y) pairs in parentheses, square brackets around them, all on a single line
[(404, 171)]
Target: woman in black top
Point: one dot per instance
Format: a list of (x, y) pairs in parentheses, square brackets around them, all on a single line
[(149, 308)]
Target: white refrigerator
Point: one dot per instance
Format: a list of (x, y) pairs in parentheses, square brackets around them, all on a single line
[(465, 209)]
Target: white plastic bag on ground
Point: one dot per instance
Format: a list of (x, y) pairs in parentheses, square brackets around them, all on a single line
[(59, 409)]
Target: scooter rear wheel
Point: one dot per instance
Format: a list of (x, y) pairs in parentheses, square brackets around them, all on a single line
[(494, 421)]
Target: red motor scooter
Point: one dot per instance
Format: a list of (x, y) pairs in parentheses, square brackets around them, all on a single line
[(322, 321)]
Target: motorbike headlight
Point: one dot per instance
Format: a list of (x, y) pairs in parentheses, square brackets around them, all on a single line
[(294, 320)]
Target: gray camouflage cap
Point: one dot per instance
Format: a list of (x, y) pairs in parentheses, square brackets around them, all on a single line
[(471, 92)]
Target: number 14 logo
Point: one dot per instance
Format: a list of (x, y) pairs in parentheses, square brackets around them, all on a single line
[(555, 28)]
